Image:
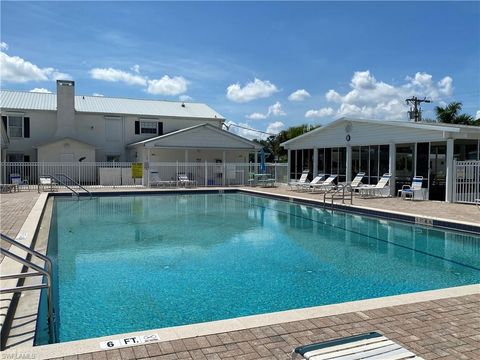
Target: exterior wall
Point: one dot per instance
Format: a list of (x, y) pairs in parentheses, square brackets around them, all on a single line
[(90, 128), (53, 152), (366, 134), (43, 125)]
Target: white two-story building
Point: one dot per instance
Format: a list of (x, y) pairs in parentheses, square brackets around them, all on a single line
[(63, 127)]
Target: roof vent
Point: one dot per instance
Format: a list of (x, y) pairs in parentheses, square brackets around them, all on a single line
[(183, 104)]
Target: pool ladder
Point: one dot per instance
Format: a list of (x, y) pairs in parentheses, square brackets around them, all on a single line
[(38, 271), (340, 192), (64, 183)]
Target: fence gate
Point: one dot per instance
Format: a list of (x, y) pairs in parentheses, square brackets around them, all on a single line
[(466, 186)]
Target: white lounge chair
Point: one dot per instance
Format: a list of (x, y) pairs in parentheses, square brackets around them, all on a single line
[(320, 178), (365, 346), (381, 189), (357, 181), (155, 181), (184, 181), (414, 190), (302, 181), (324, 186)]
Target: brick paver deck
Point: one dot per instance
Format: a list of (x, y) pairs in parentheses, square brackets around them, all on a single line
[(14, 209), (441, 329)]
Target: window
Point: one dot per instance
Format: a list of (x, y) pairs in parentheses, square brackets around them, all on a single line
[(148, 127), (113, 158), (15, 126), (16, 158)]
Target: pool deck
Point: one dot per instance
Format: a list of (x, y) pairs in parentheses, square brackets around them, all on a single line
[(447, 327)]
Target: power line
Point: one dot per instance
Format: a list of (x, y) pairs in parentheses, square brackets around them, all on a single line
[(415, 113), (247, 128)]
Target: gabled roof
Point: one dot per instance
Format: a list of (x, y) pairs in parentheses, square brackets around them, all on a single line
[(22, 100), (64, 139), (199, 136), (405, 124)]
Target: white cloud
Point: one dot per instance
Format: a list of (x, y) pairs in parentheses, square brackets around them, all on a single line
[(167, 85), (299, 95), (276, 110), (164, 86), (320, 112), (275, 127), (97, 94), (3, 46), (273, 110), (17, 70), (477, 115), (253, 90), (135, 68), (445, 86), (115, 75), (41, 90), (256, 116), (185, 98), (372, 98)]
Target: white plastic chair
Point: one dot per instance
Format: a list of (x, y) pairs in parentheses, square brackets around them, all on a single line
[(414, 190)]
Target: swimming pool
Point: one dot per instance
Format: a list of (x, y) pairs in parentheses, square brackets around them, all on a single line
[(129, 263)]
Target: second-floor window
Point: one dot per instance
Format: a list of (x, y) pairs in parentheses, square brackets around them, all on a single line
[(17, 126), (144, 126), (148, 127)]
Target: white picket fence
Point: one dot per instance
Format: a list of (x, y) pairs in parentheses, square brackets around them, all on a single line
[(466, 185), (109, 174)]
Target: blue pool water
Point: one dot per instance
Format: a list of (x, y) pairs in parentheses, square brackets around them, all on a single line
[(128, 263)]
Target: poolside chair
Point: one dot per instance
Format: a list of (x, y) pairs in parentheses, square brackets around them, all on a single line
[(381, 189), (302, 181), (155, 180), (357, 181), (320, 178), (365, 346), (324, 186), (414, 190), (184, 181), (45, 181)]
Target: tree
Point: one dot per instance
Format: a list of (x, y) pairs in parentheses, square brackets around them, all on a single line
[(271, 145), (450, 114)]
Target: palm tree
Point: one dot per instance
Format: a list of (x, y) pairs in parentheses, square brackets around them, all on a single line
[(450, 114), (447, 114)]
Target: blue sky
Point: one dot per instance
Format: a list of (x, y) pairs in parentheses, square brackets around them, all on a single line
[(264, 65)]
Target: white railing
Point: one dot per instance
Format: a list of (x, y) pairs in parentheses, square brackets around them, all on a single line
[(97, 174), (466, 185)]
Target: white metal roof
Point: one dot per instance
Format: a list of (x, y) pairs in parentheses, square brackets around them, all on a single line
[(217, 131), (20, 100), (452, 128)]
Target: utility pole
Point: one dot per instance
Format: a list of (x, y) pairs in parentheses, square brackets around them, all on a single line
[(415, 113)]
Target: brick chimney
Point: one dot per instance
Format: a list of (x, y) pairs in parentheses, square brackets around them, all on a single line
[(65, 109)]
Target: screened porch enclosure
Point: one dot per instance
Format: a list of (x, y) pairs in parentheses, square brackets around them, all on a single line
[(426, 159)]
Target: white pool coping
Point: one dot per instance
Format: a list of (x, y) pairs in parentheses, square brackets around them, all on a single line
[(248, 322), (214, 327)]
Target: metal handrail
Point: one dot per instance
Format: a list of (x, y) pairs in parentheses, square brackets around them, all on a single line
[(58, 181), (39, 271), (335, 190), (76, 183)]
